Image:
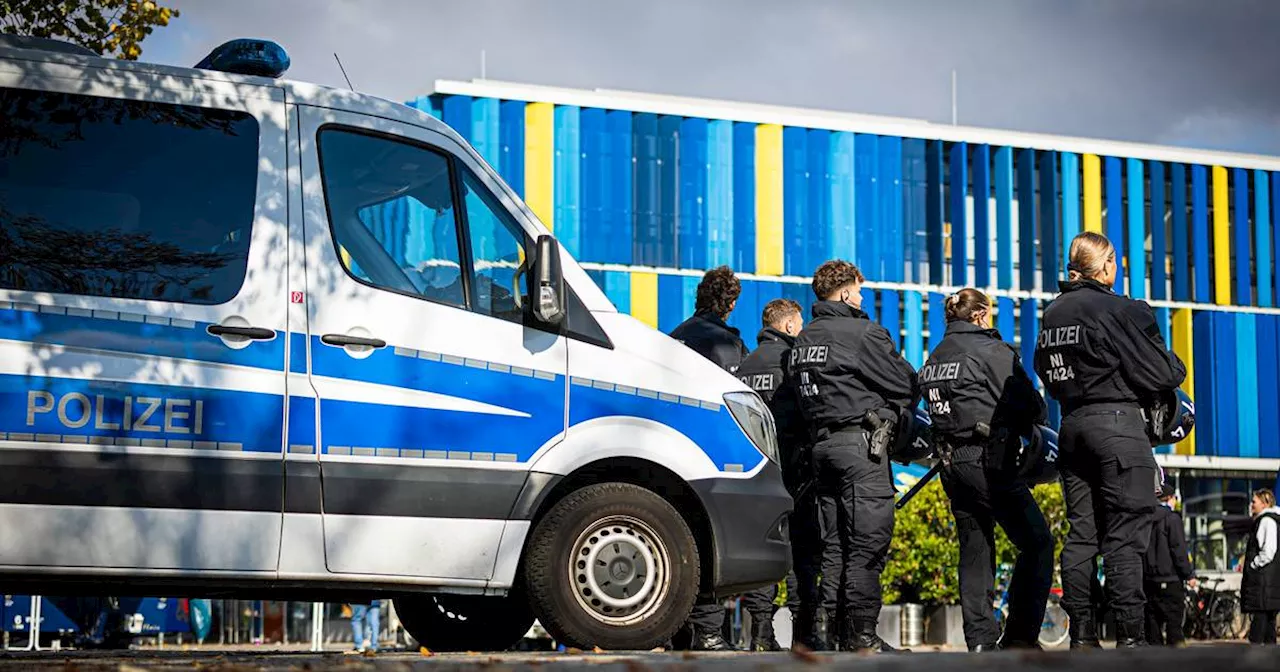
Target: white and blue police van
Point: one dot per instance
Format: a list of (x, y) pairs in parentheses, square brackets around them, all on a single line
[(269, 339)]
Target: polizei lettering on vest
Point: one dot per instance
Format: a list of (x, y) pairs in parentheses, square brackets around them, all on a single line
[(75, 410), (1054, 337), (933, 373)]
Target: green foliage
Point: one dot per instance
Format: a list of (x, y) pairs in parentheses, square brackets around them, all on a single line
[(109, 27), (925, 552)]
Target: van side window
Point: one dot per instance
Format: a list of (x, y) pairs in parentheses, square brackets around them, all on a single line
[(497, 245), (124, 198), (392, 213)]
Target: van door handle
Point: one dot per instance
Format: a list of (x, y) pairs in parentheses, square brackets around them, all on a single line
[(345, 340), (254, 333)]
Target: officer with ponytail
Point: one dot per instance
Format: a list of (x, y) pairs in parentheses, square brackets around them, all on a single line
[(1101, 356), (983, 406)]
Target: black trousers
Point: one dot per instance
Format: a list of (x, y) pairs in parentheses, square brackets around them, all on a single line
[(1262, 629), (759, 602), (707, 615), (855, 499), (806, 553), (1166, 610), (979, 500), (1108, 481)]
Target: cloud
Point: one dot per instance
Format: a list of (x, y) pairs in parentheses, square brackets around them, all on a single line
[(1172, 71)]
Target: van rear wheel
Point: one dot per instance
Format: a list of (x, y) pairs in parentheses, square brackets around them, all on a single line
[(465, 622), (612, 565)]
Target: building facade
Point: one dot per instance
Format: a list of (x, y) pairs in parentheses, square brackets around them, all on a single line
[(649, 191)]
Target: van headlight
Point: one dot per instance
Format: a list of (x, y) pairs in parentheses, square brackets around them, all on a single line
[(753, 416)]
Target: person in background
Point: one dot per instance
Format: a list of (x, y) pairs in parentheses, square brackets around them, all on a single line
[(981, 402), (364, 626), (1260, 586), (708, 334), (1166, 568), (849, 376), (1101, 355), (765, 371)]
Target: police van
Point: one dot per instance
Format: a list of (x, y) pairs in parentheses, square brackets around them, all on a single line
[(268, 339)]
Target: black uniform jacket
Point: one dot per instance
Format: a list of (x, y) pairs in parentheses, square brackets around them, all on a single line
[(710, 337), (1167, 560), (845, 365), (973, 376), (1098, 347)]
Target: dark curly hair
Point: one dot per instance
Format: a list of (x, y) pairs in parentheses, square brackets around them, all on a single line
[(717, 292), (834, 275)]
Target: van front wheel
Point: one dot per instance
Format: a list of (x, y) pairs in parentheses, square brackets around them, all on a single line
[(612, 565), (465, 622)]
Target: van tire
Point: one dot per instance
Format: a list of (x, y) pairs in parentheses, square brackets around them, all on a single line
[(443, 623), (646, 537)]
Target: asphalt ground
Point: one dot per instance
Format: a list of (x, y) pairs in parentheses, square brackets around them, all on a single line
[(1209, 658)]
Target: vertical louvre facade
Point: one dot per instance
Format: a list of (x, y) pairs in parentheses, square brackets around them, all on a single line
[(649, 196)]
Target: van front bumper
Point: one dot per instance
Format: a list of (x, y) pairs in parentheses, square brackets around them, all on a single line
[(749, 518)]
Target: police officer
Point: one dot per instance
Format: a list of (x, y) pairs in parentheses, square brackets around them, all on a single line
[(850, 378), (981, 401), (708, 334), (765, 371), (1166, 567), (1102, 357)]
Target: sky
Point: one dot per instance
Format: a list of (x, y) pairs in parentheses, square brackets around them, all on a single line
[(1196, 74)]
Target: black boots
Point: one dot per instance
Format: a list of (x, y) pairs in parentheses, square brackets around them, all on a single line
[(863, 638), (708, 640), (1130, 634), (1083, 631), (762, 636), (809, 629)]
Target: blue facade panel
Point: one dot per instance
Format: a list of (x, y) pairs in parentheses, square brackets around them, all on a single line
[(1070, 204), (1201, 242), (619, 229), (891, 315), (982, 215), (1225, 392), (1242, 268), (915, 209), (668, 189), (937, 319), (594, 177), (935, 209), (720, 194), (1247, 383), (1268, 406), (1029, 321), (1113, 178), (1006, 318), (457, 114), (647, 250), (1181, 233), (744, 317), (617, 287), (867, 206), (821, 183), (1159, 238), (957, 213), (1207, 409), (1137, 229), (1049, 223), (671, 302), (842, 241), (915, 328), (486, 136), (511, 130), (692, 223), (567, 187), (1027, 219), (744, 198), (1004, 217), (889, 180), (796, 210), (1262, 231)]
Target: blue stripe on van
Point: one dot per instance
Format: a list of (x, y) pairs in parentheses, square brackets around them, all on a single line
[(46, 409), (132, 334)]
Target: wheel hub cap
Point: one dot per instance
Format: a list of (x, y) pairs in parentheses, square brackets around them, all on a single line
[(619, 570)]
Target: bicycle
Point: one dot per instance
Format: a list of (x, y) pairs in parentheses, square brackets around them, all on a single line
[(1212, 613), (1053, 629)]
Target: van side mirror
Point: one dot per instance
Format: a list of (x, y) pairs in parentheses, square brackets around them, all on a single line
[(548, 288)]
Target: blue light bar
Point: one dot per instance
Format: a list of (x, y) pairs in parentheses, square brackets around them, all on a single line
[(245, 56)]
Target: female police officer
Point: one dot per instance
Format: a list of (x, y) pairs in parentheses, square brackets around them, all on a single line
[(980, 401), (1102, 357)]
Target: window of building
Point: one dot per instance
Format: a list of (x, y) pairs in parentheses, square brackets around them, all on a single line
[(124, 198)]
